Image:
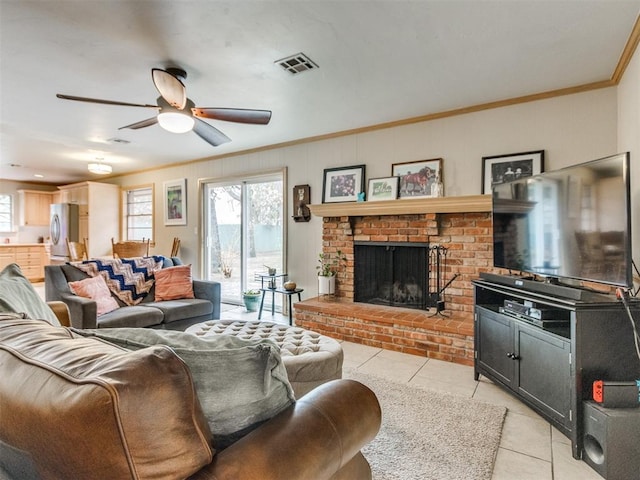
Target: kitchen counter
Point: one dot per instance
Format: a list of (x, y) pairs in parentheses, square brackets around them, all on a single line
[(5, 245)]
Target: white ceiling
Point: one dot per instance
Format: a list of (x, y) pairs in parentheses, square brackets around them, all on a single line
[(379, 61)]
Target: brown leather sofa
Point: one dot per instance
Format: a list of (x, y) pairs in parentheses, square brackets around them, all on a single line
[(76, 407)]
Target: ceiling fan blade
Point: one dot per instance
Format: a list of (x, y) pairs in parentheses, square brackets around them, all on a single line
[(105, 102), (170, 87), (239, 115), (144, 123), (209, 133)]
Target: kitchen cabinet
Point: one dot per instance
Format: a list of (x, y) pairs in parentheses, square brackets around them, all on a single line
[(30, 257), (7, 255), (83, 223), (77, 193), (34, 207)]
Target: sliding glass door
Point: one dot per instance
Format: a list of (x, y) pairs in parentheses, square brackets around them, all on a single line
[(244, 232)]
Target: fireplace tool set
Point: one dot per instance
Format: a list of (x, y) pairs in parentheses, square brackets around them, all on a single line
[(438, 265)]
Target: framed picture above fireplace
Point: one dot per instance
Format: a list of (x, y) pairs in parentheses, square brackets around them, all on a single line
[(504, 168), (416, 178), (342, 184), (382, 189)]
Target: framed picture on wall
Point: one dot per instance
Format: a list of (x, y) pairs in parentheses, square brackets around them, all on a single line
[(175, 202), (301, 198), (342, 184), (504, 168), (416, 178)]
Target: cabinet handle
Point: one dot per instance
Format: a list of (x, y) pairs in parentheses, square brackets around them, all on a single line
[(513, 356)]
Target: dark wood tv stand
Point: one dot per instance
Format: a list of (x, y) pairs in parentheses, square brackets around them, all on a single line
[(552, 369)]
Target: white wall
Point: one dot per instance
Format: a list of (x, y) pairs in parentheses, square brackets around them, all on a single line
[(629, 138), (571, 129)]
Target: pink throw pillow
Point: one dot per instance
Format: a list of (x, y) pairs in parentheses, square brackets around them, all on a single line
[(96, 289), (174, 283)]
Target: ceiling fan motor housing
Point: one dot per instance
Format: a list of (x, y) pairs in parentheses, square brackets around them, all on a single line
[(179, 73)]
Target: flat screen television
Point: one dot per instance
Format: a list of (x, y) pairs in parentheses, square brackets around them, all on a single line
[(572, 223)]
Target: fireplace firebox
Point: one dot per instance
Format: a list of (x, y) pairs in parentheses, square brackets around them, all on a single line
[(392, 273)]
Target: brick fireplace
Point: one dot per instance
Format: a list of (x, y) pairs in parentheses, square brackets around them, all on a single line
[(447, 336), (391, 273)]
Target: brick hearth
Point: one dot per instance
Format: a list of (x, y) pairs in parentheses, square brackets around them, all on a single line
[(393, 328), (468, 238)]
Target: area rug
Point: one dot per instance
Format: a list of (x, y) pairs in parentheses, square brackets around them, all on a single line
[(427, 435)]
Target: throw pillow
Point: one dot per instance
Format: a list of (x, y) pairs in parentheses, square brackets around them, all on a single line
[(96, 289), (240, 383), (17, 295), (173, 283)]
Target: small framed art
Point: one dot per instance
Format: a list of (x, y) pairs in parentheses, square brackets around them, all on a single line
[(301, 198), (342, 184), (504, 168), (416, 178), (175, 202), (383, 189)]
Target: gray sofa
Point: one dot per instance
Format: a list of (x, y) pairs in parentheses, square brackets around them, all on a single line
[(168, 314)]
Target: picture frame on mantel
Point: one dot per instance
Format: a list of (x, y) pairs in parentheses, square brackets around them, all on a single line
[(343, 184), (381, 189), (499, 169), (175, 202), (416, 178)]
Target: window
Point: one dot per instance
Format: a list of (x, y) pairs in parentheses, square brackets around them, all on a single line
[(244, 228), (6, 213), (138, 213)]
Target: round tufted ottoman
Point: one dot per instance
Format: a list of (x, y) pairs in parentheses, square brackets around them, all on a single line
[(310, 359)]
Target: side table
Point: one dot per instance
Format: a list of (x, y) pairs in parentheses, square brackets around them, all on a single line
[(272, 280), (287, 293)]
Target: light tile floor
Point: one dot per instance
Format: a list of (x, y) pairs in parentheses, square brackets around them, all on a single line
[(530, 448)]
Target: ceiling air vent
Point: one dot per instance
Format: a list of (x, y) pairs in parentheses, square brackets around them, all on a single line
[(297, 63)]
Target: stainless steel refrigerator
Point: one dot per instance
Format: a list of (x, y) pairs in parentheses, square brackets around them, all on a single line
[(64, 225)]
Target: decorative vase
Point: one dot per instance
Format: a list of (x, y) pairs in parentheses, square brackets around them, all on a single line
[(326, 285), (437, 188), (251, 302)]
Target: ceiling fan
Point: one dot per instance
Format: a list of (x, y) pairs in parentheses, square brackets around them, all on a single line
[(178, 114)]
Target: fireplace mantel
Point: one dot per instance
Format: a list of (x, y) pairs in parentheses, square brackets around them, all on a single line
[(405, 206)]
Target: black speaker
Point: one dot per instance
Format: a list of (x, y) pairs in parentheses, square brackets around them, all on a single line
[(611, 441)]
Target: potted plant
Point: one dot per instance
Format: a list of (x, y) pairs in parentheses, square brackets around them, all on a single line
[(251, 299), (226, 261), (327, 269)]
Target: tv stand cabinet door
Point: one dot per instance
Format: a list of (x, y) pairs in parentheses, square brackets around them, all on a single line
[(494, 347), (544, 372)]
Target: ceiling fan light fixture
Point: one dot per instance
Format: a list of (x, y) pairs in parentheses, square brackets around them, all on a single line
[(100, 168), (176, 122)]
